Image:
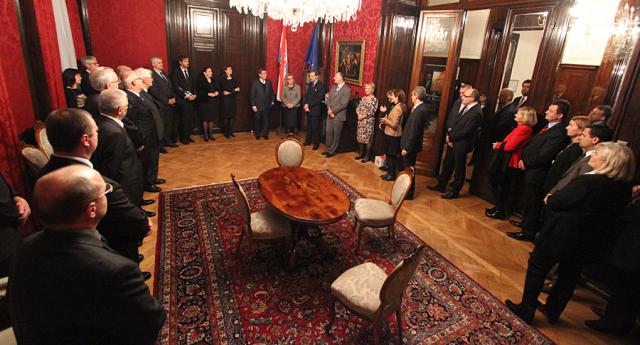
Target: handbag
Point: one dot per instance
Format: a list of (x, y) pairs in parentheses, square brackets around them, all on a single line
[(499, 160)]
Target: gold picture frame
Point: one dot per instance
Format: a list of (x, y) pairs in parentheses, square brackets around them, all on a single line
[(350, 60)]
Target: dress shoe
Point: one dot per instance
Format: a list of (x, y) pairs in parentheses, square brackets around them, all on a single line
[(147, 202), (358, 157), (330, 154), (152, 189), (495, 214), (160, 181), (227, 136), (450, 195), (150, 213), (171, 145), (384, 168), (162, 149), (146, 275), (324, 153), (184, 142), (140, 258), (547, 287), (257, 138), (364, 160), (306, 143), (212, 138), (525, 312), (315, 147), (606, 327), (266, 137), (521, 236), (388, 177), (408, 196), (232, 135), (552, 318), (206, 138), (190, 140), (490, 210), (598, 310), (516, 223), (438, 188)]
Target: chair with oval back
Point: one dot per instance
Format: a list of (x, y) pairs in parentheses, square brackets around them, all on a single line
[(43, 140), (34, 160), (289, 153), (263, 226), (372, 294), (375, 213)]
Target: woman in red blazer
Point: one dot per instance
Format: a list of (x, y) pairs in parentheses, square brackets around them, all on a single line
[(503, 182)]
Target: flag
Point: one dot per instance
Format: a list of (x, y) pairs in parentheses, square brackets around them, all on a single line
[(312, 51), (283, 60)]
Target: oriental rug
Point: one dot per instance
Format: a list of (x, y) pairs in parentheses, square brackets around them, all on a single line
[(215, 294)]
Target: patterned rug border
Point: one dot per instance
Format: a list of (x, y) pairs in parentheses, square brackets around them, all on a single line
[(440, 257)]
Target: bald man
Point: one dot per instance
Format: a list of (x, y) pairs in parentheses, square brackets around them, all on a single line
[(68, 286)]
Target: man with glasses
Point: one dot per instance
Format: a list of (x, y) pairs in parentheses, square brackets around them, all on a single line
[(68, 286), (74, 137), (101, 78)]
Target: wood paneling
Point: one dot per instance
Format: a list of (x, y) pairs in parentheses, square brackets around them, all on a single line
[(468, 70), (575, 82), (212, 34)]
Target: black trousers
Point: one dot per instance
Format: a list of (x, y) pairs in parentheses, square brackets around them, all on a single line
[(410, 161), (170, 122), (533, 196), (185, 108), (261, 123), (455, 163), (540, 263), (314, 129), (503, 187), (150, 157)]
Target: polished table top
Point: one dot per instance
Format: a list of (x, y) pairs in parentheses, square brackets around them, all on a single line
[(303, 195)]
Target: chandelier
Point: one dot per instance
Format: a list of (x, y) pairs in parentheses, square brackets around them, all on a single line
[(295, 13), (625, 30), (436, 36)]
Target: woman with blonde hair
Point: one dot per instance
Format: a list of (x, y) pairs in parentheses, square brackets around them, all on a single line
[(504, 171), (577, 229), (392, 125), (366, 112)]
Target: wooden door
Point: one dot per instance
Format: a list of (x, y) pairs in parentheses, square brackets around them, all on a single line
[(212, 34), (434, 65)]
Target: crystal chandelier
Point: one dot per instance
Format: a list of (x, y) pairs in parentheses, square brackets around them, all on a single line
[(625, 30), (295, 13)]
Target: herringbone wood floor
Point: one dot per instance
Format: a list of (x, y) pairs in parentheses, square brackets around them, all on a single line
[(457, 229)]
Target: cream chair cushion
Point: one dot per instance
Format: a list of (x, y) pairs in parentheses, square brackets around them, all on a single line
[(372, 212), (400, 189), (7, 337), (290, 154), (43, 142), (359, 287), (268, 224), (35, 156)]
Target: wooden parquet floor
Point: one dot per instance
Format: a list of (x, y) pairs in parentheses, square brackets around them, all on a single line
[(457, 229)]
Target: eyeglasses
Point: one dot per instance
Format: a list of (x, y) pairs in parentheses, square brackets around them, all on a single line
[(108, 188), (465, 96)]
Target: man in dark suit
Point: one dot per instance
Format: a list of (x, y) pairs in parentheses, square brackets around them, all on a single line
[(162, 91), (102, 78), (504, 121), (141, 112), (14, 211), (460, 141), (337, 101), (116, 157), (537, 158), (68, 286), (523, 101), (89, 64), (600, 115), (261, 100), (74, 137), (413, 132), (184, 87), (457, 106), (313, 107)]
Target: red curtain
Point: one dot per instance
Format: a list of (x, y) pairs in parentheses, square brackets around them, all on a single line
[(76, 28), (50, 52)]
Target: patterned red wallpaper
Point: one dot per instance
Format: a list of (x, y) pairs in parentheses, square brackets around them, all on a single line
[(50, 51), (76, 28), (297, 42), (127, 32)]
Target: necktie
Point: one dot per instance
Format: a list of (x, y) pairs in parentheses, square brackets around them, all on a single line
[(462, 111), (162, 75), (522, 100), (186, 74), (544, 129)]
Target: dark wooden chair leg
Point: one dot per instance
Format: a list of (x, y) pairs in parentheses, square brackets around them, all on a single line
[(359, 232), (399, 320), (332, 311), (377, 329)]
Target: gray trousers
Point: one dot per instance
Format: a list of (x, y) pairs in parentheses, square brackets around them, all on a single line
[(334, 129)]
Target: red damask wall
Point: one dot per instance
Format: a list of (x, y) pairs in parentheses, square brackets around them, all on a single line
[(127, 32), (297, 42), (76, 28), (50, 51)]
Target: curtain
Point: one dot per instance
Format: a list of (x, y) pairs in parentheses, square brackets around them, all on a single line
[(50, 53), (65, 38), (76, 28)]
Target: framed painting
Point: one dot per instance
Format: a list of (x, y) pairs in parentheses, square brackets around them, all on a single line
[(350, 60)]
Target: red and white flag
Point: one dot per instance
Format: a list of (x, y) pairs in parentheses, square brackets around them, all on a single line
[(283, 60)]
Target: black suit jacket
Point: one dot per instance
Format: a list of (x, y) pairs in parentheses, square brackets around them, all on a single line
[(116, 157), (561, 164), (452, 117), (540, 152), (124, 222), (182, 85), (503, 122), (262, 96), (413, 132), (85, 84), (91, 104), (516, 101), (68, 287), (580, 217), (162, 89), (9, 238), (464, 131), (314, 97), (142, 114)]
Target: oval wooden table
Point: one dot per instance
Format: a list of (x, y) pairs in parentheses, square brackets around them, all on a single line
[(305, 197)]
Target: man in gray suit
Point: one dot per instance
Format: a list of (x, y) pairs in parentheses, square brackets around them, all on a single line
[(337, 100)]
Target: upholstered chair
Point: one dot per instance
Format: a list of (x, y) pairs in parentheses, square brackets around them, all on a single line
[(262, 226), (375, 213), (43, 140), (35, 160), (370, 293), (289, 153)]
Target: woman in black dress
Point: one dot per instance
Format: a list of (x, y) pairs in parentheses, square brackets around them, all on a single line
[(71, 79), (208, 95), (229, 87)]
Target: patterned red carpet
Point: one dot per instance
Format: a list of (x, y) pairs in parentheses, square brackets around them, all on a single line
[(216, 295)]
